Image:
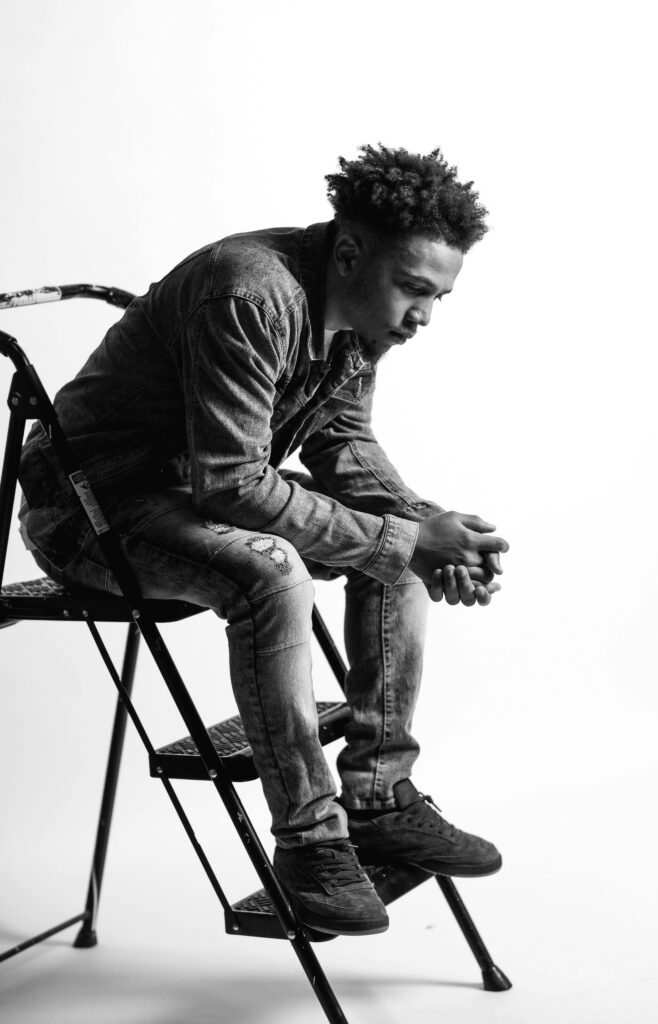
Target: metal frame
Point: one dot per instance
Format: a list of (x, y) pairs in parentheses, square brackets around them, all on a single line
[(28, 400)]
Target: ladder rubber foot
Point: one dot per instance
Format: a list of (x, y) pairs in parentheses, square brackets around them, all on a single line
[(86, 938), (494, 980)]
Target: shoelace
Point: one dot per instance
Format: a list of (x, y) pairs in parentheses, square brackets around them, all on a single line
[(338, 865), (416, 811)]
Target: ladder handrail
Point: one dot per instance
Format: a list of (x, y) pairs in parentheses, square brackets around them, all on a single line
[(25, 372), (55, 293)]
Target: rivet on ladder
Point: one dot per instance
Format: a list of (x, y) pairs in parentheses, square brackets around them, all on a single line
[(291, 935), (212, 773), (32, 400)]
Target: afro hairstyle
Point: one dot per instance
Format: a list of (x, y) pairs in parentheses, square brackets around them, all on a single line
[(398, 194)]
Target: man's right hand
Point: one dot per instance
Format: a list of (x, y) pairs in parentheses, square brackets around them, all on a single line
[(459, 587), (454, 538)]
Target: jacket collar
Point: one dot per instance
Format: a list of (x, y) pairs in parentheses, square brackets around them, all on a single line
[(315, 250), (316, 244)]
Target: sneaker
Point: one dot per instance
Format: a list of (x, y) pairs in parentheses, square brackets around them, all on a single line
[(416, 834), (329, 889)]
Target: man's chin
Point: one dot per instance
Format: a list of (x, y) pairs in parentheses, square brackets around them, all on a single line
[(375, 349)]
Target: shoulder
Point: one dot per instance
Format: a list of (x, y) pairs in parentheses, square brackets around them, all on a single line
[(261, 266), (279, 271)]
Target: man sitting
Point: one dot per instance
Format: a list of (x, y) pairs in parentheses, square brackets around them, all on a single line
[(253, 347)]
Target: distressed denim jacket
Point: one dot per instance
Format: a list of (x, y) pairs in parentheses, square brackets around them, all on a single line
[(213, 378)]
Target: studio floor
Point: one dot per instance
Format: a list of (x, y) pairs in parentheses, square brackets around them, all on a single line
[(570, 919)]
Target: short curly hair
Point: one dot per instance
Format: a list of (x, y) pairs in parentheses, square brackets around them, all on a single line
[(398, 193)]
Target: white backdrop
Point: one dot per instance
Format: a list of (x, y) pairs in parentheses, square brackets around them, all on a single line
[(135, 132)]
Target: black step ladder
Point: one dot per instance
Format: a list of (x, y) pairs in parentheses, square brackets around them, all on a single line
[(220, 754)]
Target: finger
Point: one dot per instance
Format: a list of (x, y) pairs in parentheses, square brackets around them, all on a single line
[(489, 543), (435, 588), (465, 584), (479, 574), (482, 596), (492, 559), (476, 523), (450, 588), (492, 588)]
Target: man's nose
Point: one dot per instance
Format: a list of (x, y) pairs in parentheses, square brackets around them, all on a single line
[(420, 315)]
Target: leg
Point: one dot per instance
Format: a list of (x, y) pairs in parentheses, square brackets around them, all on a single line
[(384, 637), (388, 819), (261, 586)]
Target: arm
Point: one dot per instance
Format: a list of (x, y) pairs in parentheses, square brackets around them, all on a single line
[(347, 461), (230, 361), (345, 458)]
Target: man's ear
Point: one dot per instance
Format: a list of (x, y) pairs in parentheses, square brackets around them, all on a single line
[(348, 247)]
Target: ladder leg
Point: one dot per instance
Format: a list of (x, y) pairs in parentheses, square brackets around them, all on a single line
[(87, 935), (295, 932), (493, 978), (237, 812), (318, 979)]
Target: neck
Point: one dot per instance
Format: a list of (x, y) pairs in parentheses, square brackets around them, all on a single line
[(335, 318)]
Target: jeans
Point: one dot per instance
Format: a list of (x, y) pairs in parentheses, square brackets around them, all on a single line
[(263, 588)]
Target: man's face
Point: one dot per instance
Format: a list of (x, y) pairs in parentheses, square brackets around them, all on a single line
[(391, 288)]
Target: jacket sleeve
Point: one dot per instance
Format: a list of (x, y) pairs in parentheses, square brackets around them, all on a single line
[(345, 458), (231, 358)]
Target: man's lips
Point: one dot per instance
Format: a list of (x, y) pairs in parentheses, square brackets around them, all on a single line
[(405, 335)]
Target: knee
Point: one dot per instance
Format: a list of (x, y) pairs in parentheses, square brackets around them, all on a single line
[(272, 566), (281, 594)]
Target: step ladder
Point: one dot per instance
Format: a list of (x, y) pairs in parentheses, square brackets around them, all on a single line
[(255, 914), (220, 754)]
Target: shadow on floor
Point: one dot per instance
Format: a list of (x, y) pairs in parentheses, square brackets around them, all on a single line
[(54, 984)]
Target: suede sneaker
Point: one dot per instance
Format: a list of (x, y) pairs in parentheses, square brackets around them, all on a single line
[(329, 889), (416, 834)]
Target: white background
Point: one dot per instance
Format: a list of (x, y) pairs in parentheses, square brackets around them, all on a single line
[(132, 134)]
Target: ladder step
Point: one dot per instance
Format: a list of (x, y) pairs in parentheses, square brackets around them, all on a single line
[(255, 916), (181, 760)]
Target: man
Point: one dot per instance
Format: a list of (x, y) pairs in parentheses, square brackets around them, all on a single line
[(251, 348)]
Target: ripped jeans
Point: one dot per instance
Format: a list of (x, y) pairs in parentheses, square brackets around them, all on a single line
[(263, 588)]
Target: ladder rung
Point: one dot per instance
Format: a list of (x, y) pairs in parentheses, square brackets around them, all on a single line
[(181, 760), (254, 914)]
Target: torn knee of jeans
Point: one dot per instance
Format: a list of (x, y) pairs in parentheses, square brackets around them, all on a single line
[(219, 528), (269, 548)]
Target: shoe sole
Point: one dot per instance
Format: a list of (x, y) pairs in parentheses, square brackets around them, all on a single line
[(453, 870), (320, 924)]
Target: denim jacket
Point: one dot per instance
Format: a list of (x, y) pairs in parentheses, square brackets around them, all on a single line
[(214, 377)]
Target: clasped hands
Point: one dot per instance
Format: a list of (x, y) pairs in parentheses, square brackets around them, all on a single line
[(457, 556)]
